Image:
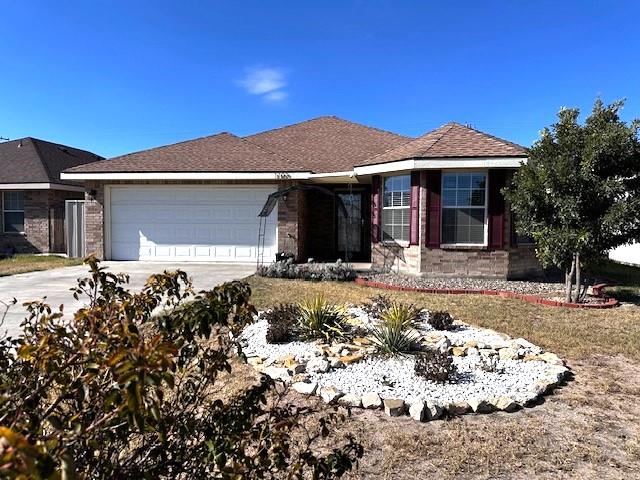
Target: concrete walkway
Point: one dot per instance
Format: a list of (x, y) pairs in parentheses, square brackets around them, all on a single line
[(56, 283)]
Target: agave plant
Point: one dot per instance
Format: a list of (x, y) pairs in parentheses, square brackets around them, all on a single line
[(319, 319), (394, 333)]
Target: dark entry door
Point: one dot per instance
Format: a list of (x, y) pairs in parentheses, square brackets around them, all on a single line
[(350, 231)]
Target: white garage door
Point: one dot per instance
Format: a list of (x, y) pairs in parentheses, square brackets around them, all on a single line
[(189, 223)]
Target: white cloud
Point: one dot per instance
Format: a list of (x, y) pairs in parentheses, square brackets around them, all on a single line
[(266, 82), (276, 96)]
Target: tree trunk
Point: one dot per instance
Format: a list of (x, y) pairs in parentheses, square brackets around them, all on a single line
[(568, 279), (578, 280)]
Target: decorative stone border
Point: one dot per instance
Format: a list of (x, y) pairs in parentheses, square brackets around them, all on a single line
[(308, 367), (537, 299)]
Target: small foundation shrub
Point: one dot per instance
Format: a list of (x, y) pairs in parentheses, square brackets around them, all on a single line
[(282, 323), (435, 365), (440, 320)]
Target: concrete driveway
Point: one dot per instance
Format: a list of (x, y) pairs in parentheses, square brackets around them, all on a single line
[(55, 284)]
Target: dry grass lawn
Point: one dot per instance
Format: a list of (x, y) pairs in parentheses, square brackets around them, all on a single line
[(589, 428), (33, 263)]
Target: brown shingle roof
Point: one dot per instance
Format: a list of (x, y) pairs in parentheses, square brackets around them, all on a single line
[(327, 144), (451, 140), (223, 152), (30, 160)]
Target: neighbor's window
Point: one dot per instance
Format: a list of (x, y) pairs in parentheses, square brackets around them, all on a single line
[(396, 191), (464, 201), (13, 211)]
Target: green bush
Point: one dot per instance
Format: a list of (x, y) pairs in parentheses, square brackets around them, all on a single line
[(435, 365), (319, 319), (122, 393), (393, 334), (282, 323)]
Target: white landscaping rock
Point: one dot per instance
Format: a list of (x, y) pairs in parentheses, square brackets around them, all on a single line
[(278, 373), (505, 404), (330, 394), (480, 406), (371, 400), (394, 407), (418, 411), (434, 411), (517, 374), (350, 400), (318, 365), (305, 388)]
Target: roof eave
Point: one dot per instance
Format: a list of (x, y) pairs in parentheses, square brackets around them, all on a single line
[(441, 163), (83, 176)]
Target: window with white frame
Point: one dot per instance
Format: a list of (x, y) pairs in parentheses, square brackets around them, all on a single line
[(13, 211), (464, 208), (396, 193)]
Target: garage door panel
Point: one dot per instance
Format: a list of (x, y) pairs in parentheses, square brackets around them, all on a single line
[(210, 223)]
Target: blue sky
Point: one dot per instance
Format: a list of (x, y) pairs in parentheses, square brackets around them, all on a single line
[(115, 77)]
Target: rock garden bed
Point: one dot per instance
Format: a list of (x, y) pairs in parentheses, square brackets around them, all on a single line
[(400, 358)]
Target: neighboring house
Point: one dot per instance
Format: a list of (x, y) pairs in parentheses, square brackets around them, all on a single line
[(32, 195), (629, 254), (429, 205)]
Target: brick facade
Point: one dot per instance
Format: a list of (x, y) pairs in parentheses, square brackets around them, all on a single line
[(40, 207), (513, 262)]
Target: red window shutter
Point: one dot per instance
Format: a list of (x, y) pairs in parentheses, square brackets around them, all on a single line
[(375, 208), (496, 207), (414, 218), (434, 181)]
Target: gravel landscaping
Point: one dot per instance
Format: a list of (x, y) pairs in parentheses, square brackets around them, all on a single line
[(492, 370), (526, 287)]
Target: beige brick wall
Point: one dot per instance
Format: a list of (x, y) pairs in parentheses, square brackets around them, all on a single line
[(94, 219), (388, 257), (523, 263), (292, 222), (466, 263)]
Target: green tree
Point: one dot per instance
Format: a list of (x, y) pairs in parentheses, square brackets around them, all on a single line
[(579, 194), (122, 391)]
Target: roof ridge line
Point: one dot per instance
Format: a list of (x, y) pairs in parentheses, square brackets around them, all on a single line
[(302, 122), (451, 124), (45, 167), (61, 145)]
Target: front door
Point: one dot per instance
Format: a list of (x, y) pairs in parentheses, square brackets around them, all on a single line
[(350, 231)]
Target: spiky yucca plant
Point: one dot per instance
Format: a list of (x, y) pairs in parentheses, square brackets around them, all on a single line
[(319, 319), (393, 334)]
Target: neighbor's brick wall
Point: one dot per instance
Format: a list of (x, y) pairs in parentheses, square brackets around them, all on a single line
[(37, 206)]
